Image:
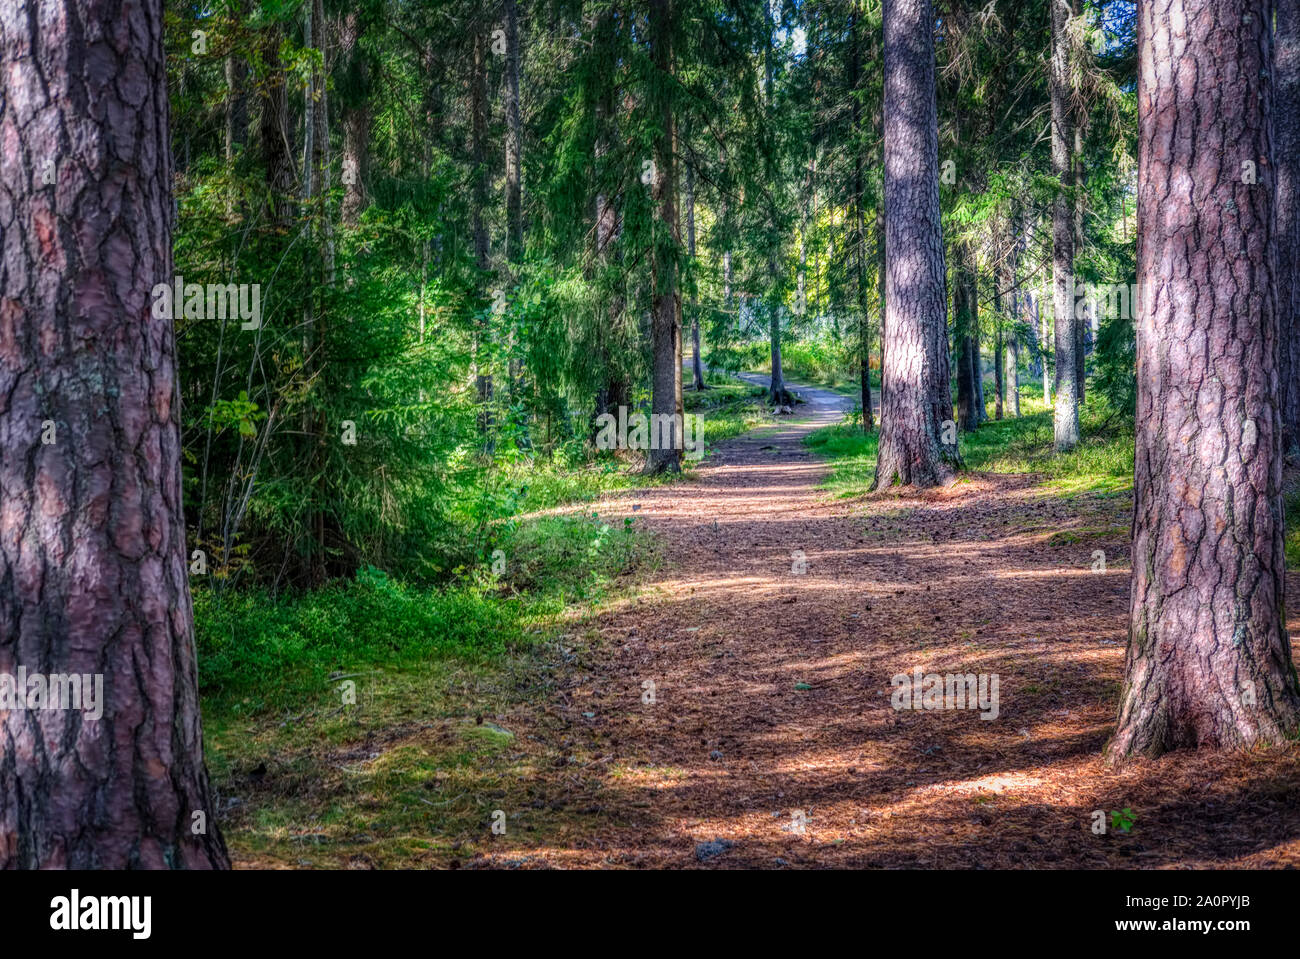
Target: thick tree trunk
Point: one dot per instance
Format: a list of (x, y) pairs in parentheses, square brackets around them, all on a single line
[(1209, 659), (93, 560), (1066, 416), (916, 400), (1286, 126), (665, 325)]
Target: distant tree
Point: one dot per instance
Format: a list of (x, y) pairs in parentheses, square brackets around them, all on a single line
[(1066, 411)]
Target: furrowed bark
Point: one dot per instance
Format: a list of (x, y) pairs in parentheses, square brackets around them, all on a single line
[(916, 402), (93, 560), (1209, 659)]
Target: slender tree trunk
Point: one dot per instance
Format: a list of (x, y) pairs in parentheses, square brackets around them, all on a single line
[(236, 98), (319, 264), (514, 208), (666, 333), (236, 114), (1078, 174), (1012, 376), (432, 104), (1209, 659), (777, 394), (997, 373), (277, 151), (881, 282), (864, 326), (977, 364), (1041, 324), (1010, 386), (615, 391), (917, 403), (1082, 326), (514, 140), (1286, 125), (356, 119), (697, 364), (478, 226), (963, 319), (1066, 417), (93, 560)]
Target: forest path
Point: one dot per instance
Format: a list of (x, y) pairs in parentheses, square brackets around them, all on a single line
[(771, 740)]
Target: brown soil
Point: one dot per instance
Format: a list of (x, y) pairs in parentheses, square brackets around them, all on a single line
[(772, 690)]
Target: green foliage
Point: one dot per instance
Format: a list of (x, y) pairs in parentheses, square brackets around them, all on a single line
[(261, 651), (1116, 365)]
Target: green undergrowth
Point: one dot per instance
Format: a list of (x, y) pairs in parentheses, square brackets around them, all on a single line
[(1101, 464)]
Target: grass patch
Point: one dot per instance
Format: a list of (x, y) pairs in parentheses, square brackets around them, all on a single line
[(1101, 464), (852, 455), (366, 724), (729, 407), (407, 776)]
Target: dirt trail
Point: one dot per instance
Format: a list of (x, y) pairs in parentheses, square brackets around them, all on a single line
[(772, 731)]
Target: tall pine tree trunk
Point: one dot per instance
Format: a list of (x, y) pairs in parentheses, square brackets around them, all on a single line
[(864, 326), (1066, 416), (881, 282), (1012, 376), (969, 404), (236, 97), (997, 372), (93, 560), (1286, 126), (916, 401), (478, 226), (514, 140), (665, 323), (777, 394), (514, 208), (273, 129), (1209, 660), (356, 118), (697, 364)]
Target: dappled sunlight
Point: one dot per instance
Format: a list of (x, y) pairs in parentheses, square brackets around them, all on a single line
[(770, 639)]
